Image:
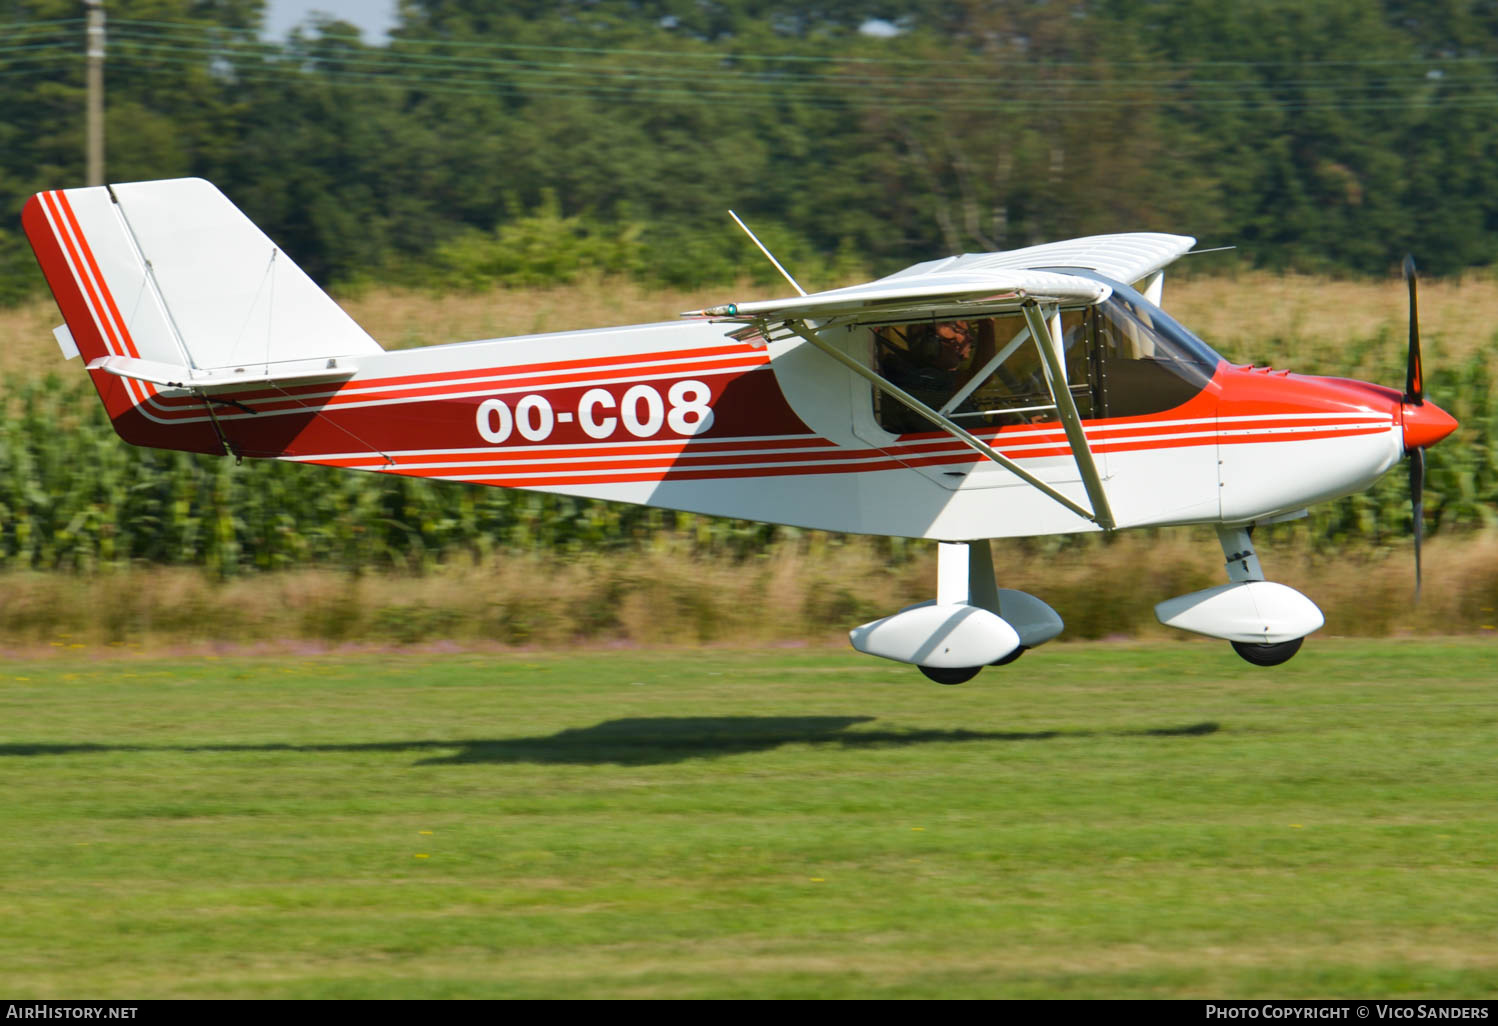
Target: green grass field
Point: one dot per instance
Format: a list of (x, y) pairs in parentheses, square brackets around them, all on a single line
[(1096, 820)]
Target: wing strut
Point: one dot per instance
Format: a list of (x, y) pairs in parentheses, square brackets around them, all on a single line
[(951, 428), (1048, 340)]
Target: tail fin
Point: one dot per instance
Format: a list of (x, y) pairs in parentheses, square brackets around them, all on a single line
[(168, 284)]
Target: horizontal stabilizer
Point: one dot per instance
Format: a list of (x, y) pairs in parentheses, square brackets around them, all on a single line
[(234, 379)]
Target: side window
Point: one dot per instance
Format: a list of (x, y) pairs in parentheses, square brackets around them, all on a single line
[(1140, 368), (982, 373)]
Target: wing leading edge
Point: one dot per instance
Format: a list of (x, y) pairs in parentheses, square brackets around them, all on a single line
[(978, 282), (1126, 257)]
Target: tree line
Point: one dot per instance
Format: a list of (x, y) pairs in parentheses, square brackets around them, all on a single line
[(535, 141)]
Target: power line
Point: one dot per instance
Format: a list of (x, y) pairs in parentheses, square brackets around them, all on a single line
[(209, 47), (643, 95), (381, 61), (685, 53), (384, 68)]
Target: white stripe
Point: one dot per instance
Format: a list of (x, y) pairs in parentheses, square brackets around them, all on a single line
[(881, 458), (443, 396), (571, 454), (818, 457), (665, 466), (1381, 418), (663, 459), (139, 391), (560, 447), (82, 278), (373, 385), (1355, 418)]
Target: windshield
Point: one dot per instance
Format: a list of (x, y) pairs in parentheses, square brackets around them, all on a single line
[(1171, 339), (1124, 357)]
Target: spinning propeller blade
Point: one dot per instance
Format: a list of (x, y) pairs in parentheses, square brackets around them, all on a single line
[(1414, 395), (1417, 502), (1414, 381)]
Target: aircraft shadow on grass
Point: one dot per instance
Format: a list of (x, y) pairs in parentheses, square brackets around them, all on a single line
[(644, 740)]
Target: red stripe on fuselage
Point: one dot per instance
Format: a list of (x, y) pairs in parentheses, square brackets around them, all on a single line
[(360, 391)]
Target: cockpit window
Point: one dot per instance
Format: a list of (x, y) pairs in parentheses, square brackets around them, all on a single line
[(1178, 344), (981, 373), (1146, 366), (1125, 357)]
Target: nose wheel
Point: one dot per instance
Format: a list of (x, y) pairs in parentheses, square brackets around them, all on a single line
[(950, 674), (1267, 655)]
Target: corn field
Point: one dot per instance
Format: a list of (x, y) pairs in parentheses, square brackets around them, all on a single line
[(74, 497)]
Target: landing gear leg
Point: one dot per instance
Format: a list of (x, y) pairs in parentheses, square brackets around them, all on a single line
[(1243, 566), (964, 575), (970, 624)]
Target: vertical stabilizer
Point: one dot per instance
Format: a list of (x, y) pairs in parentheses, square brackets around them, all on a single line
[(172, 273)]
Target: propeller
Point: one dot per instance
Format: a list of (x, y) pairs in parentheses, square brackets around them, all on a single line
[(1414, 395), (1414, 381), (1417, 502)]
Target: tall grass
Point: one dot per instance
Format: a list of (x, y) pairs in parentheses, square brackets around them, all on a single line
[(810, 589)]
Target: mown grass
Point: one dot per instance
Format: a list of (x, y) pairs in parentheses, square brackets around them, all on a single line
[(1095, 820)]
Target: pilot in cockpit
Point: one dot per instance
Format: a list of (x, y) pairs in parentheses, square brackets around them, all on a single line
[(931, 361), (935, 358)]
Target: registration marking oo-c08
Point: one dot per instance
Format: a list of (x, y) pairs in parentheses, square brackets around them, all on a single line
[(641, 411)]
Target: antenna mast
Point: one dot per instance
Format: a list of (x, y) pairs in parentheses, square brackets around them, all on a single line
[(755, 239)]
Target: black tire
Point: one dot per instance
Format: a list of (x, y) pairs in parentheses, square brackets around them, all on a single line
[(1267, 655), (950, 674), (1011, 657)]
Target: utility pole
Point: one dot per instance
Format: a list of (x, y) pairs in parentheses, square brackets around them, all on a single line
[(95, 91)]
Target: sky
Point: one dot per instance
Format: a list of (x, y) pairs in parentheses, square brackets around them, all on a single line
[(375, 17)]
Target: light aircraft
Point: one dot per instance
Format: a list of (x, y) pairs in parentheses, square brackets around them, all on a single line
[(992, 395)]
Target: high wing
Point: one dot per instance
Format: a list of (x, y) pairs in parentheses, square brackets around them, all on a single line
[(975, 290), (1127, 257), (1033, 280), (978, 282)]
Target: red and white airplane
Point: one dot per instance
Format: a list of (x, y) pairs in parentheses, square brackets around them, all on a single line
[(1031, 392)]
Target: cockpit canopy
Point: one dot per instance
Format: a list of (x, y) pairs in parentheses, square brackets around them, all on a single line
[(1125, 357)]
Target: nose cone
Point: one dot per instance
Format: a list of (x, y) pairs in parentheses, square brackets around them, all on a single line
[(1425, 424)]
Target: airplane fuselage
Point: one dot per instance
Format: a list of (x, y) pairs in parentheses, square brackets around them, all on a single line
[(675, 415)]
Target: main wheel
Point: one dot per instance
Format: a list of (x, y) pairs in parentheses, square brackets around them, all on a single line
[(1267, 655), (950, 674)]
